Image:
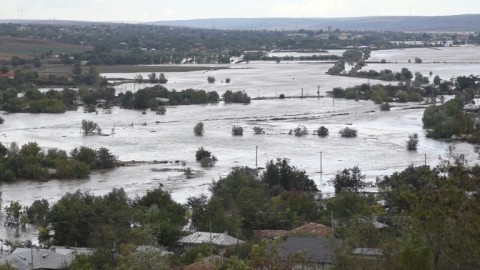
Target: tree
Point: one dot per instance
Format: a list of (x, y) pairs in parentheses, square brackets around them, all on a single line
[(286, 176), (299, 131), (237, 131), (349, 180), (77, 72), (152, 77), (412, 142), (213, 97), (258, 130), (198, 129), (322, 131), (418, 60), (211, 79), (348, 132), (90, 127), (205, 158)]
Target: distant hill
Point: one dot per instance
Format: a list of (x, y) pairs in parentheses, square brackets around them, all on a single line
[(457, 23)]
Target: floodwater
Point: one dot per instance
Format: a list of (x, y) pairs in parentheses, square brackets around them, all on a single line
[(379, 149)]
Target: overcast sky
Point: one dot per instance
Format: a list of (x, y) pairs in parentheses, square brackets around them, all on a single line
[(156, 10)]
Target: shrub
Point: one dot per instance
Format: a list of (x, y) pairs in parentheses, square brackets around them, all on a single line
[(348, 132), (412, 142), (211, 79), (202, 153), (198, 129), (227, 80), (281, 96), (213, 97), (90, 127), (418, 60), (161, 110), (2, 120), (237, 131), (299, 131), (385, 107), (205, 158), (258, 130), (236, 97), (322, 131)]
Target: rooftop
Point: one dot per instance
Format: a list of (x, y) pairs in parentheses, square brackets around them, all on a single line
[(219, 239)]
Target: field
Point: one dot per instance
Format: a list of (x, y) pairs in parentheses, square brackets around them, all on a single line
[(65, 70), (27, 48)]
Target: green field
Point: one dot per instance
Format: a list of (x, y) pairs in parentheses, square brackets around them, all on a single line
[(27, 48)]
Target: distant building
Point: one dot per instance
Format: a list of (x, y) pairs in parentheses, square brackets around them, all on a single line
[(223, 241), (9, 74), (308, 229), (318, 253), (53, 258)]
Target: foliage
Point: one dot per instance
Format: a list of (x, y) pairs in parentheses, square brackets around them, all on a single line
[(258, 130), (348, 132), (236, 97), (237, 131), (338, 68), (205, 158), (352, 55), (213, 97), (211, 79), (198, 129), (385, 106), (282, 174), (448, 119), (299, 131), (418, 60), (412, 142), (349, 180), (322, 131), (90, 127)]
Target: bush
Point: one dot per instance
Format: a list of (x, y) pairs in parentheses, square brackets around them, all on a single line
[(281, 96), (198, 129), (161, 110), (213, 97), (211, 79), (299, 131), (258, 130), (348, 132), (2, 120), (227, 80), (412, 142), (322, 131), (205, 158), (418, 60), (90, 127), (202, 153), (236, 97), (385, 107), (237, 131)]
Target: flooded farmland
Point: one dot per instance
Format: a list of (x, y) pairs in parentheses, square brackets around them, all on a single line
[(168, 139)]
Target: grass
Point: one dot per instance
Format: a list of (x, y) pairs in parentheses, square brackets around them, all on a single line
[(28, 48)]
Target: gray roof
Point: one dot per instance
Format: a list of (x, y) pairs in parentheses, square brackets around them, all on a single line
[(218, 239), (368, 251), (55, 258), (317, 250)]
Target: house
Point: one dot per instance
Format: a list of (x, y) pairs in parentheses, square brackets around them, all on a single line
[(308, 229), (317, 253), (53, 258), (9, 74), (222, 241)]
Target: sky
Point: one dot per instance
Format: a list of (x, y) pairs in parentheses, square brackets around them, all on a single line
[(159, 10)]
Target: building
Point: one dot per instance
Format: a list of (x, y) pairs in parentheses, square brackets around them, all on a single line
[(222, 241), (8, 74), (53, 258), (317, 253)]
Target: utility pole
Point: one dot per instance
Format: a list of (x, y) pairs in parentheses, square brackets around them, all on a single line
[(321, 169), (318, 91), (256, 159)]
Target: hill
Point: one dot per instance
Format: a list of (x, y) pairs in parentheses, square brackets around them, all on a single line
[(457, 23)]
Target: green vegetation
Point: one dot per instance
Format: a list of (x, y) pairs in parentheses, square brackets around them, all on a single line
[(211, 79), (31, 162), (381, 93), (258, 130), (236, 97), (237, 131), (385, 106), (322, 131), (205, 158), (412, 142), (349, 180), (348, 132), (198, 129), (90, 128), (448, 119), (299, 131)]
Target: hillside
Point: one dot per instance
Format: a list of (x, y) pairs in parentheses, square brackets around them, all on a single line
[(457, 23)]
